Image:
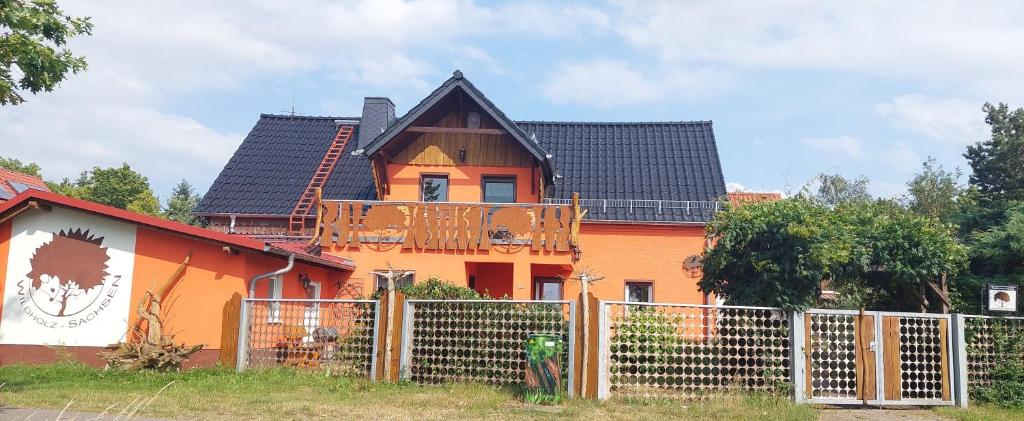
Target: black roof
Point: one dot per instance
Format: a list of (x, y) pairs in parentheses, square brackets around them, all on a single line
[(668, 161)]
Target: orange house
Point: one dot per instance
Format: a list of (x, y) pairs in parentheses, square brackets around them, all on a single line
[(455, 189), (74, 272)]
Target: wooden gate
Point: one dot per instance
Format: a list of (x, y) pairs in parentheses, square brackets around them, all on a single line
[(877, 358)]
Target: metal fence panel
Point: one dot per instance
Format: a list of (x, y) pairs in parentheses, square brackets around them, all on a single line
[(989, 342), (331, 334), (692, 350), (482, 340)]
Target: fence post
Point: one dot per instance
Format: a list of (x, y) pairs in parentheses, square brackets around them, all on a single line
[(405, 356), (572, 350), (798, 376), (603, 348), (959, 361), (243, 336), (376, 339)]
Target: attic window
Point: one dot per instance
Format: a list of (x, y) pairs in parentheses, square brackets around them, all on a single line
[(473, 120), (19, 187)]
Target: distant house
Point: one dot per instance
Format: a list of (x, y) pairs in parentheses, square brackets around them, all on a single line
[(743, 197), (12, 183), (456, 189)]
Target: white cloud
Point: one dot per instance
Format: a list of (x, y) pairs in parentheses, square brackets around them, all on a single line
[(961, 43), (949, 120), (841, 145), (608, 82), (735, 187)]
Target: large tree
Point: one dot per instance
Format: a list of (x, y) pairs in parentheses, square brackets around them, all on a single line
[(934, 191), (833, 189), (30, 168), (120, 187), (998, 162), (181, 203), (33, 47)]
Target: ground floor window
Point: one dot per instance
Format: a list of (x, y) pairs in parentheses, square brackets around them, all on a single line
[(405, 280), (547, 289), (640, 291)]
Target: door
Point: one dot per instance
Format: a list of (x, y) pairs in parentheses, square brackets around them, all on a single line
[(852, 355)]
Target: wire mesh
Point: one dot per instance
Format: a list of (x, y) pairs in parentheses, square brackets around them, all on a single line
[(920, 358), (481, 341), (832, 344), (330, 334), (694, 351), (991, 341)]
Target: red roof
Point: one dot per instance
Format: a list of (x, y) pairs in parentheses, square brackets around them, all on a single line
[(25, 199), (6, 176), (739, 198)]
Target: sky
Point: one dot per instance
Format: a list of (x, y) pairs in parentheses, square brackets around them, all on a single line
[(794, 88)]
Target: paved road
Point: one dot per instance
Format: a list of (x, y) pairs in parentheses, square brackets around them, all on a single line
[(878, 415)]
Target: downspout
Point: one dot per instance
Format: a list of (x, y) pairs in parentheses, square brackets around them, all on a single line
[(282, 271)]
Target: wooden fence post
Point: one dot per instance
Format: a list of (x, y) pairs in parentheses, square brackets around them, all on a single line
[(229, 331)]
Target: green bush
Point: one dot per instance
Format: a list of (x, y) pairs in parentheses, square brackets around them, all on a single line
[(1007, 388), (436, 289)]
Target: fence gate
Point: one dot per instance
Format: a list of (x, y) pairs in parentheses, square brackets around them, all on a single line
[(877, 358)]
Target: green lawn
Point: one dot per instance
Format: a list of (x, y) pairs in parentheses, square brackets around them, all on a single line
[(283, 394), (982, 412)]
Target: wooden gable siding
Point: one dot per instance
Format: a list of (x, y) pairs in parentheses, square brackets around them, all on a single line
[(481, 149)]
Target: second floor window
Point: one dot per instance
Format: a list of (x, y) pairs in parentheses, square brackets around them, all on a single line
[(434, 188), (499, 189)]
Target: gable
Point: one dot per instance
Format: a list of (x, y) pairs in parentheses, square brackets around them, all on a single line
[(449, 149)]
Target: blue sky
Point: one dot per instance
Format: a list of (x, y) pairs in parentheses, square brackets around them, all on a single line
[(794, 88)]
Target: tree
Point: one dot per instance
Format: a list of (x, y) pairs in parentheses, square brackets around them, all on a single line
[(774, 253), (934, 191), (120, 187), (996, 256), (181, 203), (33, 54), (30, 168), (833, 190), (998, 163)]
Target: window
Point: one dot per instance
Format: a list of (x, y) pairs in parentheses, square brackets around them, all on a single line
[(275, 291), (434, 188), (639, 292), (382, 282), (499, 190), (311, 316), (547, 289), (19, 187), (473, 120)]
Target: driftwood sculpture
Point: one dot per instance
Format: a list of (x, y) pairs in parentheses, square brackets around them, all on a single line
[(148, 346)]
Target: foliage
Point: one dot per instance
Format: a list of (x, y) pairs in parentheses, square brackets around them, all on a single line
[(30, 168), (934, 191), (998, 162), (181, 203), (834, 190), (437, 289), (120, 187), (1007, 387), (33, 54), (774, 253)]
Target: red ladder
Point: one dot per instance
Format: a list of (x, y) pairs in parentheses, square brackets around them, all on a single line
[(297, 220)]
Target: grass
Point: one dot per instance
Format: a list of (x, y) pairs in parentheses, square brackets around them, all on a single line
[(286, 394), (982, 412)]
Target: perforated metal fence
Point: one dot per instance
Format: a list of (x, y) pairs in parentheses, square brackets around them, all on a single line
[(692, 351), (833, 358), (481, 340), (991, 341), (339, 335), (920, 351)]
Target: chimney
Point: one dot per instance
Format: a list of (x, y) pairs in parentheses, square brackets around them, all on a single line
[(378, 115)]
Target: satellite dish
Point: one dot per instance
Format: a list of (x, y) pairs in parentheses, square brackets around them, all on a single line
[(692, 262)]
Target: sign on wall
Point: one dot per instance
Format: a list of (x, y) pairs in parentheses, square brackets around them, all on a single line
[(1002, 298), (68, 280)]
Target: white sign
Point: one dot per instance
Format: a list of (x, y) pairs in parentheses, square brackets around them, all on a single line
[(68, 280), (1002, 298)]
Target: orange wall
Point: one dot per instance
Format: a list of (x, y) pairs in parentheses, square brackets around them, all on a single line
[(464, 182), (619, 252), (5, 248)]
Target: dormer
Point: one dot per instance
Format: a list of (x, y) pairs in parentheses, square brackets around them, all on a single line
[(457, 146)]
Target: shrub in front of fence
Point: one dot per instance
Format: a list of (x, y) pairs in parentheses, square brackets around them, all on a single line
[(691, 352), (995, 360)]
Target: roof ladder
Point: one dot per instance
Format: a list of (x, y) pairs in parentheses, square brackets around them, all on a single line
[(297, 219)]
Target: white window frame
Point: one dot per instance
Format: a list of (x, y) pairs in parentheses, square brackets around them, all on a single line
[(276, 292), (648, 284), (311, 315)]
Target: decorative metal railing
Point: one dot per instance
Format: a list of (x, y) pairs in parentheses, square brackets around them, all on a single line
[(481, 340), (339, 335), (633, 205)]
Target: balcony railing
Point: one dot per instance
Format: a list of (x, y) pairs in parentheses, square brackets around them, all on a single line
[(603, 205), (448, 225)]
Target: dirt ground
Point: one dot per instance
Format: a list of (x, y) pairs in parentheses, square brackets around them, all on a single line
[(878, 415)]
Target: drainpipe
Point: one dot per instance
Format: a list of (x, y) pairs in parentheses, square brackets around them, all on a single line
[(231, 228), (282, 271)]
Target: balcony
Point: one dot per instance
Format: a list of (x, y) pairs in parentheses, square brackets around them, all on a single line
[(448, 225)]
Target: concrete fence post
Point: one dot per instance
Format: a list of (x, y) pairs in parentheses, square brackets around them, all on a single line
[(603, 350), (405, 362), (959, 360), (243, 336), (797, 374)]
